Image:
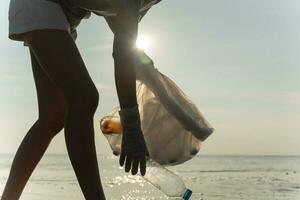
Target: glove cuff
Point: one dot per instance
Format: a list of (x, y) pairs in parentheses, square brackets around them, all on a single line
[(130, 118)]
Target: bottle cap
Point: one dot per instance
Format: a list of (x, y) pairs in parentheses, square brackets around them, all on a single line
[(187, 194)]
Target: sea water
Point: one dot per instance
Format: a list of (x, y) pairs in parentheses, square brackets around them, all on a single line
[(210, 178)]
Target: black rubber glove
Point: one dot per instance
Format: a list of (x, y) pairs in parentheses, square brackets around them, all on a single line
[(133, 148)]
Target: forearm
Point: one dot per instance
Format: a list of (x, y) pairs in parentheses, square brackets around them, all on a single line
[(125, 77), (125, 28)]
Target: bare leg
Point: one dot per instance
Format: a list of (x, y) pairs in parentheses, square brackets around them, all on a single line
[(60, 59), (50, 122), (58, 55)]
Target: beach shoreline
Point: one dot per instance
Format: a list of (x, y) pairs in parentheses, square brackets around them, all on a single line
[(211, 177)]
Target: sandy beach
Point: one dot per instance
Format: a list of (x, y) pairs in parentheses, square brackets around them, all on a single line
[(210, 178)]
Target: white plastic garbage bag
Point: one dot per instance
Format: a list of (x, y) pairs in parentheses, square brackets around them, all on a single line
[(173, 126)]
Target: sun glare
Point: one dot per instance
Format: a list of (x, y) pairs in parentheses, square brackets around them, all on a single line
[(143, 42)]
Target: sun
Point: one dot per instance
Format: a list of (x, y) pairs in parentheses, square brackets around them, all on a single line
[(143, 42)]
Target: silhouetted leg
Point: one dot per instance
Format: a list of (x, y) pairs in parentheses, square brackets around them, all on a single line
[(59, 57), (49, 123)]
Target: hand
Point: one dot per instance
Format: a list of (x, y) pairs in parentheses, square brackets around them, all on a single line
[(133, 151)]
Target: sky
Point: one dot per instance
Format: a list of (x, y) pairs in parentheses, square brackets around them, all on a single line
[(238, 61)]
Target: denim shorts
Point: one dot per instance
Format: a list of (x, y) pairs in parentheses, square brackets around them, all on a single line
[(29, 15)]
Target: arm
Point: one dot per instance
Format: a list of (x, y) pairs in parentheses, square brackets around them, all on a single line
[(125, 28)]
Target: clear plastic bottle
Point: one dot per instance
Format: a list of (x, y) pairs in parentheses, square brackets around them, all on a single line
[(166, 181)]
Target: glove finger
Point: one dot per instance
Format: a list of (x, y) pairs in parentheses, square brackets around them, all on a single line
[(122, 158), (128, 163), (143, 165), (135, 166)]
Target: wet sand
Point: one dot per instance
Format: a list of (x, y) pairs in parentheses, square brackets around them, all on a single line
[(210, 178)]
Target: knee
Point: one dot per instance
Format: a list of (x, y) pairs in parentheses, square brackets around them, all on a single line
[(51, 123), (84, 101)]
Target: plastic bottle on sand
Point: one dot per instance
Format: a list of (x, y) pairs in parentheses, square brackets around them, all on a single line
[(166, 181)]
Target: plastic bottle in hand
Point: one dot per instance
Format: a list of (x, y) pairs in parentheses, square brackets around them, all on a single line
[(166, 181)]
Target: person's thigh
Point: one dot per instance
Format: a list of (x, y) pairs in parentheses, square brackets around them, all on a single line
[(51, 103), (61, 61)]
